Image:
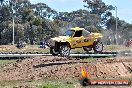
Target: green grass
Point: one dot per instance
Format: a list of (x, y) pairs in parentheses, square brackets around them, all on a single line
[(38, 84), (77, 50), (56, 85), (28, 48), (90, 59), (12, 48), (72, 83), (115, 48), (3, 62), (35, 48), (106, 48), (8, 83)]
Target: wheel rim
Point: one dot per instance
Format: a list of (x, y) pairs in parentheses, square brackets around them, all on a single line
[(65, 51), (55, 52), (99, 47)]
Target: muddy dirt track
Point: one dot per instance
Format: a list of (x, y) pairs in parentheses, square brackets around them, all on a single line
[(58, 68)]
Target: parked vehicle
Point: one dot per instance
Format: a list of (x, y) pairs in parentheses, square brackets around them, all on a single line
[(44, 44), (21, 44)]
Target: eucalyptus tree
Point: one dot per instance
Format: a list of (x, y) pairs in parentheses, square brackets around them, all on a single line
[(100, 8), (81, 18)]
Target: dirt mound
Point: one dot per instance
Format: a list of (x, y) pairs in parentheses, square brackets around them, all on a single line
[(57, 68)]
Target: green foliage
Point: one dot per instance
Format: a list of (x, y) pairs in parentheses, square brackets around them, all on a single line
[(80, 18), (123, 29), (34, 22), (31, 23), (100, 8), (37, 21), (92, 29)]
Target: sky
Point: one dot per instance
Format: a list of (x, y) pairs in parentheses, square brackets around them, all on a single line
[(124, 7)]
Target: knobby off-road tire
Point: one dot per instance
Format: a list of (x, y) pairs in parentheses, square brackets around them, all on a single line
[(53, 52), (98, 47), (65, 51)]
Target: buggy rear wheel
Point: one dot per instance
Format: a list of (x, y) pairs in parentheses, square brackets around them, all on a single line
[(98, 47)]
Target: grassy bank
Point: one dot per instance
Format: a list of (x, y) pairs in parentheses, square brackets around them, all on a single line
[(35, 48)]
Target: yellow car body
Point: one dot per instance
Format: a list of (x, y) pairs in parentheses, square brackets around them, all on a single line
[(78, 42), (75, 38)]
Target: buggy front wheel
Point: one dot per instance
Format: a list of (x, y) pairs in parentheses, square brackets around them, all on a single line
[(98, 47), (65, 50)]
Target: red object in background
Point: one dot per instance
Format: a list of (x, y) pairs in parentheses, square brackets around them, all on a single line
[(129, 43)]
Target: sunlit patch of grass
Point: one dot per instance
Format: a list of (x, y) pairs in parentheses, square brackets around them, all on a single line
[(3, 62), (35, 48), (77, 50), (28, 48), (115, 48), (53, 84), (38, 84), (57, 84)]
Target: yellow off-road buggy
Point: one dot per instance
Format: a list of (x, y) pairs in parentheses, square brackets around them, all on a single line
[(75, 38)]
